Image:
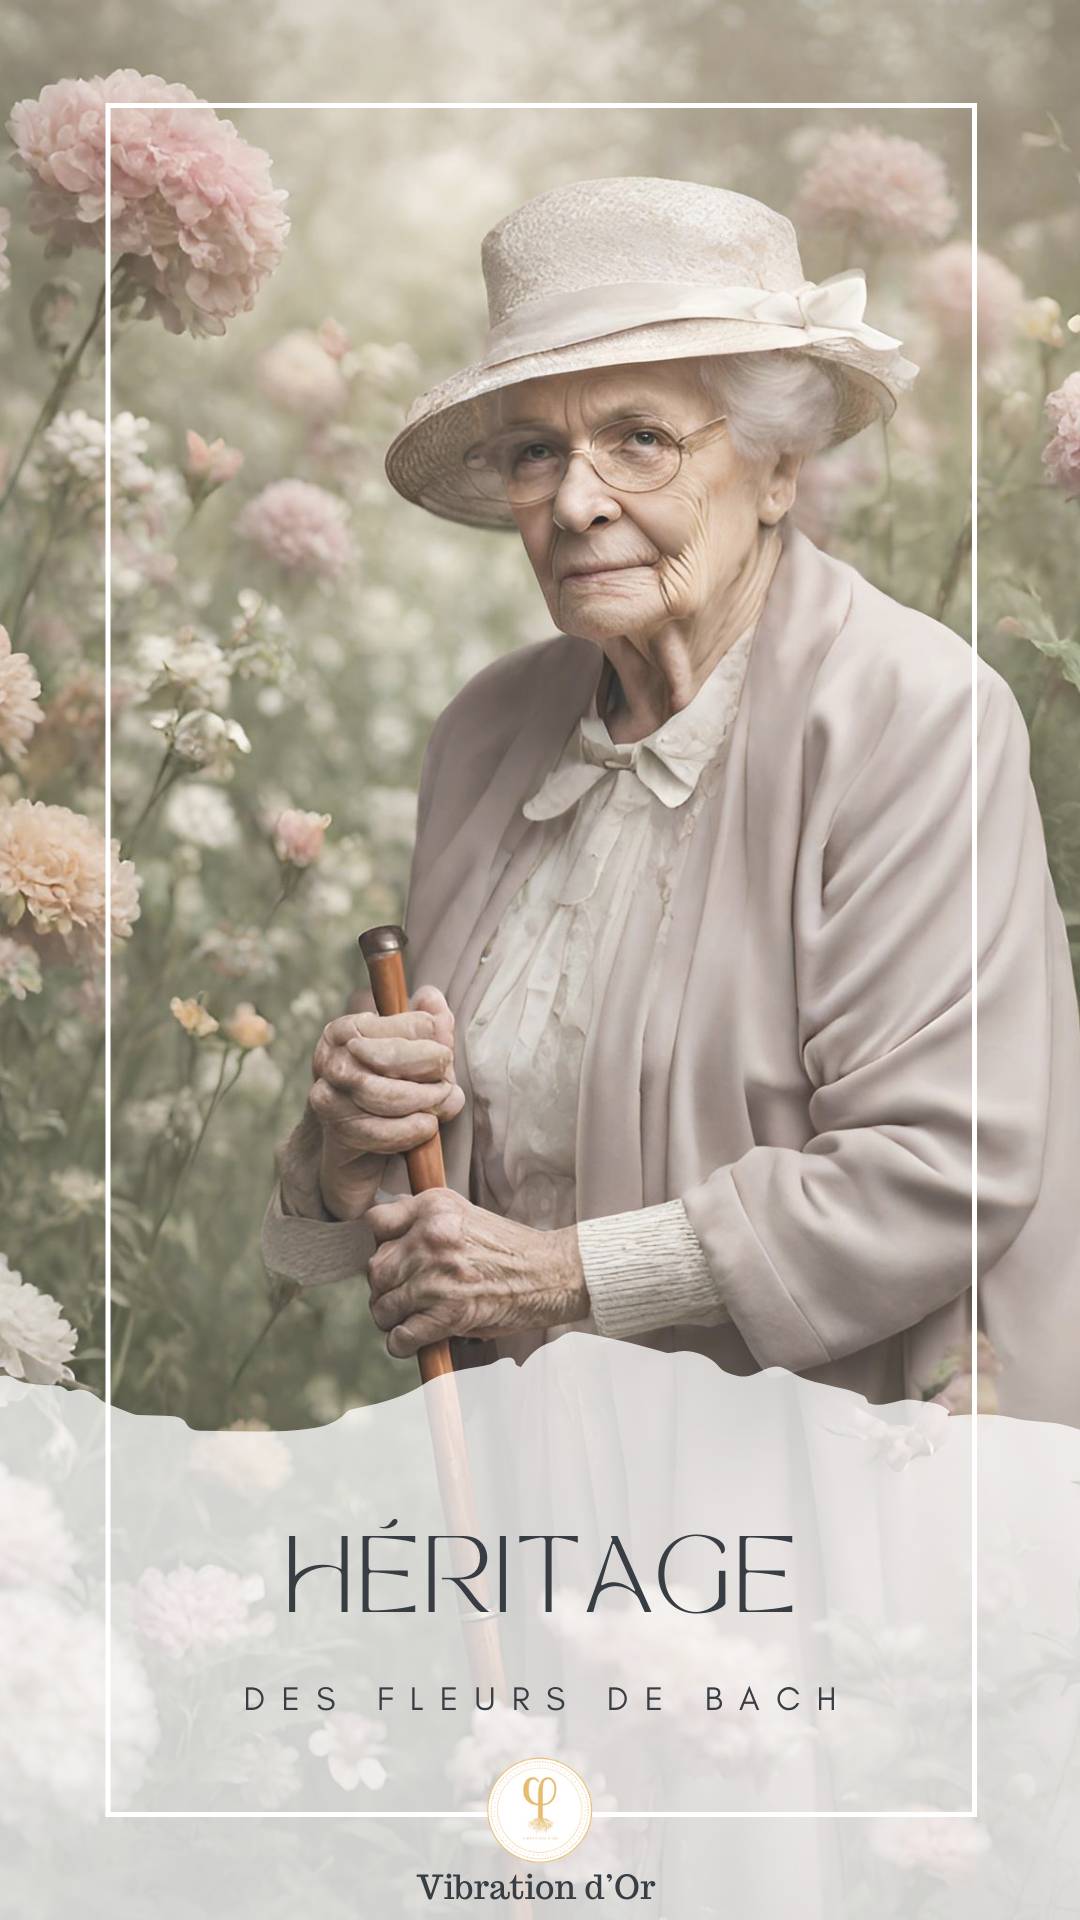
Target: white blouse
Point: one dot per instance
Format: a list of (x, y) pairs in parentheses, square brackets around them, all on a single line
[(611, 819)]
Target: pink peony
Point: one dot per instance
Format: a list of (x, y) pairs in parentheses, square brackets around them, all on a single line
[(52, 868), (298, 836), (1061, 455), (193, 1609), (301, 374), (19, 709), (884, 189), (299, 525), (5, 264), (194, 213), (944, 279)]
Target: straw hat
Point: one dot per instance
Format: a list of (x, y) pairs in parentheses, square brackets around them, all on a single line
[(604, 272)]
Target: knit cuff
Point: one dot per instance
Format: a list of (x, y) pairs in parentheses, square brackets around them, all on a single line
[(647, 1269), (313, 1248)]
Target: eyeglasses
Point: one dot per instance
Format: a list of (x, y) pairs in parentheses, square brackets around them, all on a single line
[(636, 455)]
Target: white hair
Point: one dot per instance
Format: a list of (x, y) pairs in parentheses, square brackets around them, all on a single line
[(776, 402)]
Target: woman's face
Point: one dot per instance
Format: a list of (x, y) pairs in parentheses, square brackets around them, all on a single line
[(613, 563)]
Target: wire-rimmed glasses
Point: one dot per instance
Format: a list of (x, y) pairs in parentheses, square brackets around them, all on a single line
[(524, 464)]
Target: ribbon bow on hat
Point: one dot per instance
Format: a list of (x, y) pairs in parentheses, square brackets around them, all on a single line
[(831, 306), (821, 310)]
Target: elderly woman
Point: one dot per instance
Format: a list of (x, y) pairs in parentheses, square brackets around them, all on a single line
[(691, 891)]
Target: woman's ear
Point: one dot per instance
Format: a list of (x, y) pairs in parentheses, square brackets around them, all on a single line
[(776, 495)]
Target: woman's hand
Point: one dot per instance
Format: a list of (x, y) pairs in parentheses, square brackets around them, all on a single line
[(380, 1085), (444, 1266)]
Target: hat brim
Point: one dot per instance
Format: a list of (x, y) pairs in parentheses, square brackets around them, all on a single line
[(425, 462)]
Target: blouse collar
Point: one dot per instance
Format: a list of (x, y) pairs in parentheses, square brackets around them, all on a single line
[(669, 761)]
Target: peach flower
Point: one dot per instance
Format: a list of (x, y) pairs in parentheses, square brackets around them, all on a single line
[(209, 464), (299, 836), (19, 709), (52, 868), (248, 1029), (193, 1017)]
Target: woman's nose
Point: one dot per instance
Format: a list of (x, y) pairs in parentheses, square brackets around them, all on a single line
[(582, 498)]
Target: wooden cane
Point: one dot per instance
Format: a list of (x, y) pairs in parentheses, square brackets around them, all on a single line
[(383, 949)]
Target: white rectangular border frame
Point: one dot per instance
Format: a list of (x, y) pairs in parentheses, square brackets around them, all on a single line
[(545, 106)]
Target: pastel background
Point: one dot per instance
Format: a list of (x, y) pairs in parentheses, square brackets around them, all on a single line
[(285, 629)]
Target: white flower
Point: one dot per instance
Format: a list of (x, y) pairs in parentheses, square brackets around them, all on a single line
[(82, 1191), (174, 1119), (385, 366), (390, 732), (249, 1461), (192, 1608), (71, 455), (36, 1549), (197, 811), (494, 1740), (35, 1339), (187, 659), (349, 1744), (206, 739), (948, 1850), (896, 1442), (52, 1709), (297, 373), (391, 813), (262, 1079), (306, 1008), (20, 969)]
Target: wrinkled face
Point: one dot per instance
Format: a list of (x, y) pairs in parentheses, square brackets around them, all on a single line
[(613, 562)]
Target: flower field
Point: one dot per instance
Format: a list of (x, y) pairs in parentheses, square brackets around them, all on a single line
[(284, 629)]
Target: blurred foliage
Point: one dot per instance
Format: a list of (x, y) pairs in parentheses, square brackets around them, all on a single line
[(336, 682)]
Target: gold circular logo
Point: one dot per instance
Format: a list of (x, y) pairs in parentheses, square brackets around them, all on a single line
[(539, 1809)]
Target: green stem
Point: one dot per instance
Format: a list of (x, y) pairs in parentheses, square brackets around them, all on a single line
[(255, 1345), (13, 620), (220, 1090), (68, 369), (952, 572), (163, 779)]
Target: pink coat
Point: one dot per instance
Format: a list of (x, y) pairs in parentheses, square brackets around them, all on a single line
[(802, 1080)]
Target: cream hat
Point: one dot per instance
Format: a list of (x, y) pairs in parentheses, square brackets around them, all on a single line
[(605, 272)]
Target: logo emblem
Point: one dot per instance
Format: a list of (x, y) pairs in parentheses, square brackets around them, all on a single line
[(539, 1809)]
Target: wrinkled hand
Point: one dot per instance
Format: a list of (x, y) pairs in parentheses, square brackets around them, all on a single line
[(444, 1266), (380, 1085)]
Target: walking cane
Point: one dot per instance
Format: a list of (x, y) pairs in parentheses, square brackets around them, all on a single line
[(383, 948)]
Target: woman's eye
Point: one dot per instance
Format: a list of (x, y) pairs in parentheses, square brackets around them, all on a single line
[(645, 437), (537, 450)]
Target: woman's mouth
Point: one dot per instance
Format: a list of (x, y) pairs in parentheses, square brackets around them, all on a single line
[(605, 573)]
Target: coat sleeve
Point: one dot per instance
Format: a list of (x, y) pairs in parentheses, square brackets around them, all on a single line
[(300, 1241), (820, 1251)]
